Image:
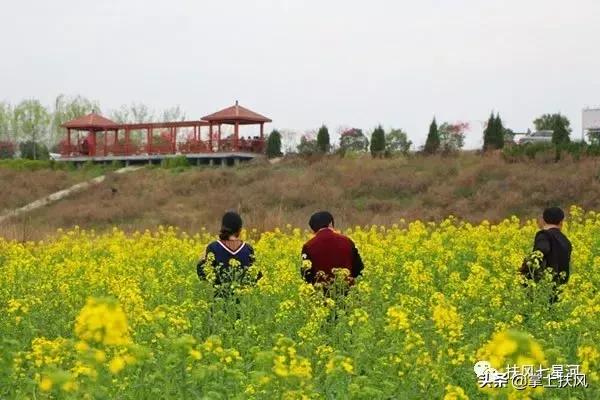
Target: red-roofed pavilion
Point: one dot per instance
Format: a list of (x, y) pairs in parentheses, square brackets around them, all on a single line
[(237, 115), (91, 123)]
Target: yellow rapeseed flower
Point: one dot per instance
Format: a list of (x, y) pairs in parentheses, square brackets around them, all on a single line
[(397, 319), (46, 384), (116, 365), (455, 393), (102, 321)]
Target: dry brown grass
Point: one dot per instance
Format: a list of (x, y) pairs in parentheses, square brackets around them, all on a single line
[(21, 187), (357, 191)]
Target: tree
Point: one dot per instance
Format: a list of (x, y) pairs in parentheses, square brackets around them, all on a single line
[(308, 146), (121, 116), (7, 149), (594, 136), (452, 136), (173, 114), (31, 120), (274, 144), (396, 141), (558, 124), (68, 108), (323, 139), (353, 140), (432, 144), (493, 135), (34, 150), (6, 122), (509, 135), (488, 133), (134, 113), (378, 142), (498, 133)]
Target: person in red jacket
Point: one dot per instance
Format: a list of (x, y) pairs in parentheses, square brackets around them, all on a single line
[(329, 250)]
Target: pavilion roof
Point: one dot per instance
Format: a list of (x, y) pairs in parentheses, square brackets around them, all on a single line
[(91, 121), (236, 113)]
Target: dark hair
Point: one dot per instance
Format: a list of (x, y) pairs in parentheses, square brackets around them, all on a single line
[(553, 215), (231, 224), (320, 220)]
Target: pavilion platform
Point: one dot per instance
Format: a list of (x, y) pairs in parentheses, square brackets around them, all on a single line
[(222, 159)]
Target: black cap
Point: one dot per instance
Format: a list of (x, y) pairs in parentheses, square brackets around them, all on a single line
[(231, 223), (320, 220), (553, 215)]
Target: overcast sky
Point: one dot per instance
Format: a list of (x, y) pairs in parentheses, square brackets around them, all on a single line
[(307, 62)]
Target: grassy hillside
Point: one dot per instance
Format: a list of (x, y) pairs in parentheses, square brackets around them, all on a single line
[(358, 191), (24, 181), (19, 187)]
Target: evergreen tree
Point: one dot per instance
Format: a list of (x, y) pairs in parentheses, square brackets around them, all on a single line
[(488, 133), (498, 138), (274, 144), (432, 144), (323, 139), (493, 135), (378, 142)]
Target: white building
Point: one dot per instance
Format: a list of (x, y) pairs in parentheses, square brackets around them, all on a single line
[(591, 122)]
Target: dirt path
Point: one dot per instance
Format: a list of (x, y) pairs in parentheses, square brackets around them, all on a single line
[(54, 197)]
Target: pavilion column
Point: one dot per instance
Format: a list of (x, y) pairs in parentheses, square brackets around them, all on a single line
[(262, 130), (236, 136), (149, 140), (69, 141), (92, 145), (210, 135), (174, 139), (105, 142), (116, 142), (219, 139), (126, 141)]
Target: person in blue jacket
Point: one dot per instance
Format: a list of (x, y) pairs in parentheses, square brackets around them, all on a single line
[(230, 256)]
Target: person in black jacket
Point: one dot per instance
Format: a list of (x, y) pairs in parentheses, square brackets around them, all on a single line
[(555, 247), (554, 244)]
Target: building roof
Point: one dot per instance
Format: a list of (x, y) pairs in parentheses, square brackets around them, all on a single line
[(91, 121), (236, 113)]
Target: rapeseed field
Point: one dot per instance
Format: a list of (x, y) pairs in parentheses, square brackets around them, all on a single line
[(116, 315)]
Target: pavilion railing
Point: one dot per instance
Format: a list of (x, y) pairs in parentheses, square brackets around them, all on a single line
[(243, 145), (191, 146), (159, 148)]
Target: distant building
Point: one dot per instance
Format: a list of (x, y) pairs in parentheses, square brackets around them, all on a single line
[(591, 123)]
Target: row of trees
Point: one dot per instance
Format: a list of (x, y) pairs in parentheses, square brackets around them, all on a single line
[(351, 140), (450, 137), (445, 138), (36, 127)]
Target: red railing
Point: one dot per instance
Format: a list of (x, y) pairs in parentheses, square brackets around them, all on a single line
[(191, 146)]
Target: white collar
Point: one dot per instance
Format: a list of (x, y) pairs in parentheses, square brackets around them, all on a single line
[(233, 253)]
